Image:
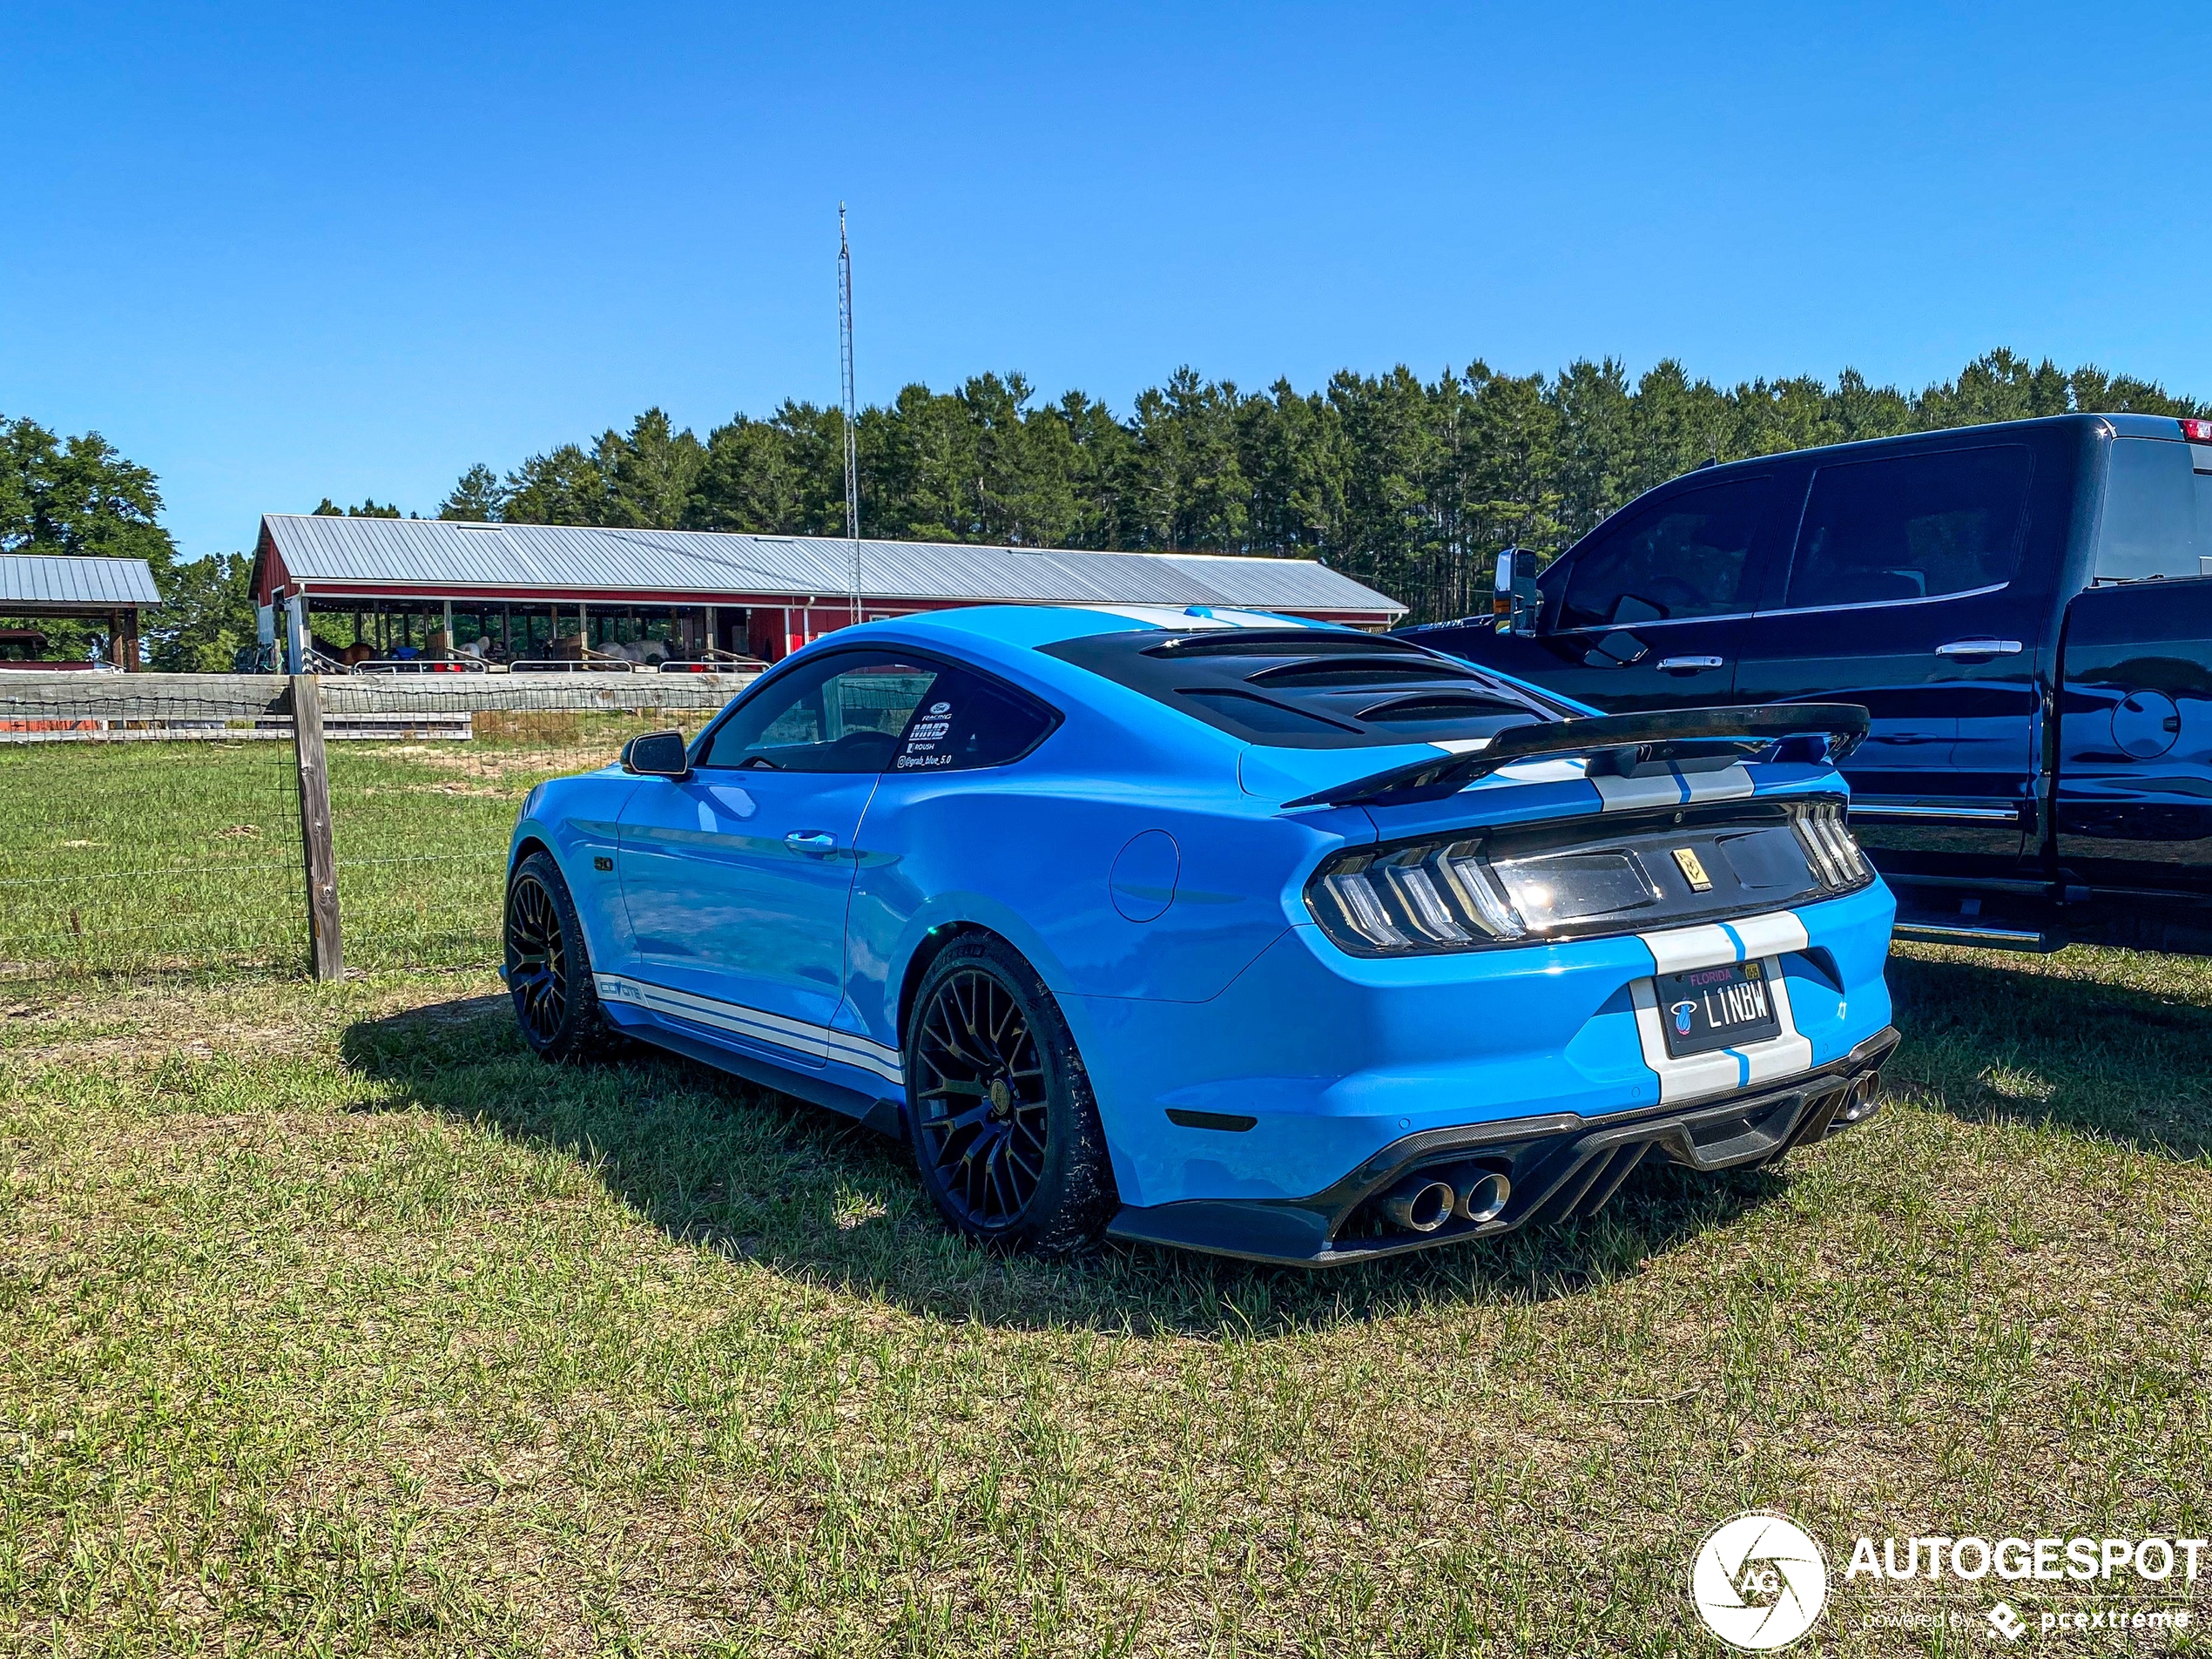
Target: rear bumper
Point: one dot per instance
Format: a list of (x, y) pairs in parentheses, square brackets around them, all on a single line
[(1560, 1166)]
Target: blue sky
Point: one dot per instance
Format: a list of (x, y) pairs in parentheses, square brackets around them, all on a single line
[(276, 252)]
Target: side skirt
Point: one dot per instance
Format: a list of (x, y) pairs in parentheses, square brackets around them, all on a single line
[(878, 1112)]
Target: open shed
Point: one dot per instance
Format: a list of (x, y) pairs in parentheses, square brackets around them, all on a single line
[(524, 590), (36, 587)]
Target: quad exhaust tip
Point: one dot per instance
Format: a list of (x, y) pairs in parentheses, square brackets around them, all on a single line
[(1483, 1199), (1864, 1099), (1421, 1203), (1421, 1206)]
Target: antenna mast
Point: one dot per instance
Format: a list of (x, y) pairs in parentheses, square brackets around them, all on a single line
[(851, 411)]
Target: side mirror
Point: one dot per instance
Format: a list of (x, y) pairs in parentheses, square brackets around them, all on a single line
[(657, 754), (1517, 603)]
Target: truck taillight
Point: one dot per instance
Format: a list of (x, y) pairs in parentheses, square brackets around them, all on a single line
[(1835, 855), (2197, 431)]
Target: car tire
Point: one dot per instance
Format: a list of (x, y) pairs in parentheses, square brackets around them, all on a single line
[(1000, 1117), (548, 967)]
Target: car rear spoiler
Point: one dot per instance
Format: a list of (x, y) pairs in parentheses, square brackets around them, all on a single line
[(1619, 745)]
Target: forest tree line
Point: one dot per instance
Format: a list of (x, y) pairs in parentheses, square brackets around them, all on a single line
[(1409, 485)]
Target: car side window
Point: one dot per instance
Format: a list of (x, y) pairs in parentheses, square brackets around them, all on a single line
[(1910, 527), (2157, 514), (880, 712), (846, 712), (968, 720), (1688, 556)]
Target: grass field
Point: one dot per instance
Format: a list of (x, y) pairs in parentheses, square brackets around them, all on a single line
[(331, 1322), (122, 859)]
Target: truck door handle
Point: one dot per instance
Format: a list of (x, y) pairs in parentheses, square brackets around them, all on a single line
[(1980, 648), (1689, 664), (811, 841)]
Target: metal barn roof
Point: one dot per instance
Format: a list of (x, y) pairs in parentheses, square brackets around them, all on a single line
[(322, 552), (41, 579)]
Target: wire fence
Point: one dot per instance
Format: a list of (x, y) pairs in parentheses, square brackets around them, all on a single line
[(421, 826), (147, 825), (151, 824)]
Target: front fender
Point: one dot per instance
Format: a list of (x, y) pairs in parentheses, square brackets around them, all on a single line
[(577, 820)]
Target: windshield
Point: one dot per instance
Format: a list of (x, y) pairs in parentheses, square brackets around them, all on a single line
[(1307, 688)]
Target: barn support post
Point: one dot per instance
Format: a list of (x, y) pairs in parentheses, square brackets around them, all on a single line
[(314, 827), (295, 634)]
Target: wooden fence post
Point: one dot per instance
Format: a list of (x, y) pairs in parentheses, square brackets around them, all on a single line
[(314, 827)]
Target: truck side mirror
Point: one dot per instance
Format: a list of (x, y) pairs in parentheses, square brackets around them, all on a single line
[(1517, 603), (657, 754)]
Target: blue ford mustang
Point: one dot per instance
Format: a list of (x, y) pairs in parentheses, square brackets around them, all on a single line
[(1222, 930)]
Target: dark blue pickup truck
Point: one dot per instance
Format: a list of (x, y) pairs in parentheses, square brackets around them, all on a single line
[(2024, 609)]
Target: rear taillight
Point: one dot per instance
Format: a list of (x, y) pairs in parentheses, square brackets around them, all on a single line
[(1463, 892), (1833, 848), (1433, 895), (2197, 431)]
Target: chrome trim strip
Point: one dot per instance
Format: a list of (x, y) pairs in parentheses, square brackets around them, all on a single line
[(1886, 604), (1650, 622), (1917, 813), (1938, 933), (1783, 611)]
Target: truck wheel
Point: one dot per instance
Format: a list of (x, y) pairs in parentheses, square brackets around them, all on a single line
[(549, 970), (1003, 1124)]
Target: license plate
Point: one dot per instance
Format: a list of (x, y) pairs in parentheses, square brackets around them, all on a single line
[(1716, 1007)]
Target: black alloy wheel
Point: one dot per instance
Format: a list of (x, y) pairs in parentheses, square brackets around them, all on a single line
[(549, 971), (537, 967), (1002, 1121), (982, 1104)]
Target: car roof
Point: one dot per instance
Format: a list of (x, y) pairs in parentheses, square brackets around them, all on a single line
[(1038, 625), (2126, 426)]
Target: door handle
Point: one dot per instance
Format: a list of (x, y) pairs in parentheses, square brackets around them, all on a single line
[(811, 841), (1980, 648), (1689, 664)]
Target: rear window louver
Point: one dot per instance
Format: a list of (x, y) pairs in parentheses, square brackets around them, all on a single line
[(1431, 706), (1353, 670), (1309, 688)]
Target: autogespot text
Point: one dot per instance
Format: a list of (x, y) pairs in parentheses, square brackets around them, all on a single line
[(1937, 1557)]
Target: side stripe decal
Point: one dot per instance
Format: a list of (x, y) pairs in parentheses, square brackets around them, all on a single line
[(800, 1036)]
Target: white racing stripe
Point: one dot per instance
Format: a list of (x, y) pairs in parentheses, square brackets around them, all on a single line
[(1762, 939), (1680, 949), (800, 1036), (1171, 617), (1770, 934), (1674, 787), (1709, 944)]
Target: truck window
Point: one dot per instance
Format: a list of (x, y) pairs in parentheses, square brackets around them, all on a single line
[(1683, 556), (1913, 527), (2157, 515)]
